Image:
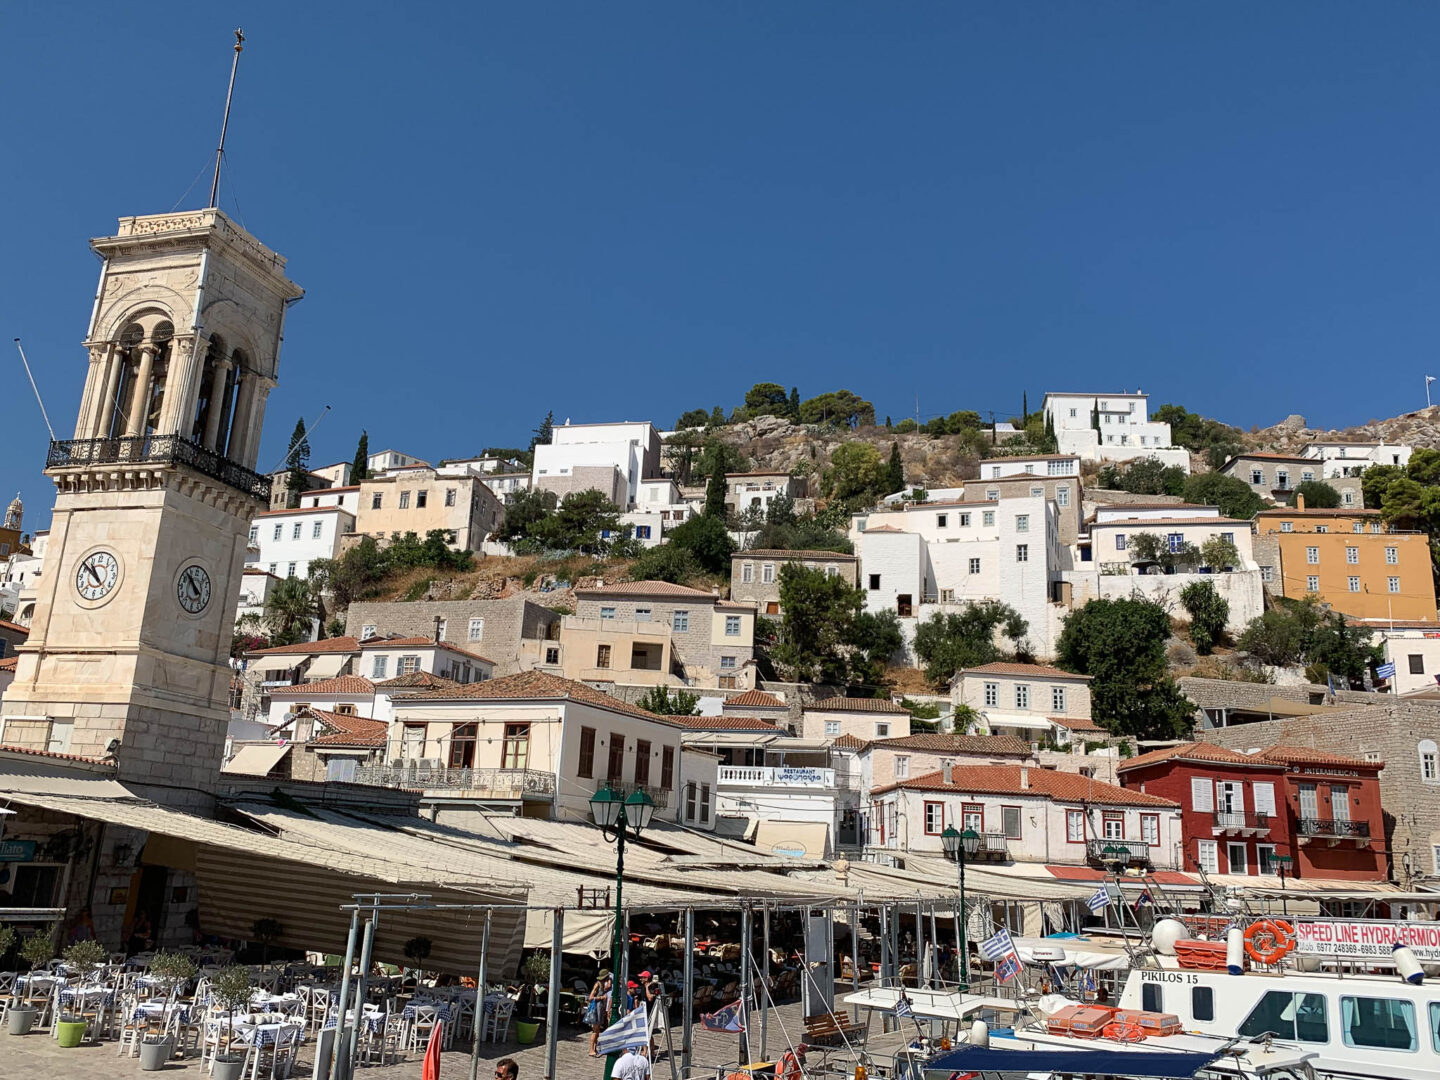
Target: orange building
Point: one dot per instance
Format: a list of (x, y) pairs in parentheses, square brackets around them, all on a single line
[(1349, 559)]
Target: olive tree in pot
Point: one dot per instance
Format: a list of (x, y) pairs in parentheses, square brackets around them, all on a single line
[(418, 950), (177, 970), (267, 932), (230, 990), (534, 971), (37, 950), (81, 959)]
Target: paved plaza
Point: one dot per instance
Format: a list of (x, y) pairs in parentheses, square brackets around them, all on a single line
[(37, 1055)]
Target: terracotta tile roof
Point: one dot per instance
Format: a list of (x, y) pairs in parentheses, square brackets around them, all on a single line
[(1037, 671), (1337, 512), (330, 490), (729, 723), (1170, 521), (326, 645), (656, 589), (422, 680), (1308, 755), (1176, 505), (420, 642), (884, 529), (956, 744), (753, 699), (8, 664), (848, 742), (540, 686), (856, 704), (951, 502), (1199, 752), (803, 553), (307, 510), (1076, 723), (1027, 457), (353, 685), (1266, 455), (349, 730), (8, 749), (736, 605), (6, 624), (1046, 783)]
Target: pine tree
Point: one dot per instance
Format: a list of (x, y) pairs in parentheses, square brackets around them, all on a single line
[(297, 461), (887, 421), (895, 472), (545, 432), (715, 490), (360, 467), (717, 417), (794, 403)]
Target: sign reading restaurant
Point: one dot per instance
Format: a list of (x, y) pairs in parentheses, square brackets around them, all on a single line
[(1361, 939)]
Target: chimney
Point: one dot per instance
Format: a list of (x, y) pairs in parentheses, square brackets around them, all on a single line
[(1299, 501), (1024, 778), (437, 629), (945, 772)]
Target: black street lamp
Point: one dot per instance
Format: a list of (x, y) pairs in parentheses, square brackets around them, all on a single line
[(617, 814), (961, 846), (1281, 862)]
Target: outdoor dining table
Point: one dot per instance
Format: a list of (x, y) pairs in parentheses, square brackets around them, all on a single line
[(160, 1011), (442, 1009), (265, 1034), (82, 995)]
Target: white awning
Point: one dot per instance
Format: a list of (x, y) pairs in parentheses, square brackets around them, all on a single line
[(586, 933), (256, 759), (793, 839), (932, 1004), (282, 662), (1016, 720), (327, 665)]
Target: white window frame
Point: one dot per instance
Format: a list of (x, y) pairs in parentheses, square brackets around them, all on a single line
[(832, 728), (1057, 699), (475, 631), (1204, 848), (992, 694), (1022, 695)]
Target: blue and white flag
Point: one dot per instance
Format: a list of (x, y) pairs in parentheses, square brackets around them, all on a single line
[(632, 1030), (731, 1018), (1099, 901), (902, 1007), (1385, 671), (993, 948)]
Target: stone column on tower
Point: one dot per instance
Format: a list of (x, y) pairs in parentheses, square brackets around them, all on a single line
[(216, 405), (140, 400), (180, 387), (104, 412)]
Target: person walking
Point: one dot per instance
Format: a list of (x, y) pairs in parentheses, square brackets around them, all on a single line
[(597, 1010), (632, 1065)]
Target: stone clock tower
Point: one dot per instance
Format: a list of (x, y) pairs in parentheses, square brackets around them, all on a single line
[(128, 654)]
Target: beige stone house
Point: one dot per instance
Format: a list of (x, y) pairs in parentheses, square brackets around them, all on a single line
[(1055, 477), (1029, 701), (419, 499), (514, 632), (861, 718), (648, 633), (885, 761), (755, 574), (1272, 476)]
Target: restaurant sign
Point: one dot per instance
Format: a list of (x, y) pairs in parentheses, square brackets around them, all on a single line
[(791, 775), (17, 850), (1361, 939)]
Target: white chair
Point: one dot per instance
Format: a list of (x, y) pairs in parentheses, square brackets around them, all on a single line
[(131, 1028), (496, 1025), (426, 1017), (320, 1002)]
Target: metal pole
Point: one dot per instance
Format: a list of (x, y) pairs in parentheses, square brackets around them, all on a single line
[(764, 1002), (689, 993), (225, 123), (885, 954), (854, 959), (354, 1038), (621, 943), (964, 920), (334, 1059), (480, 979), (745, 977), (935, 973), (919, 944), (552, 1005)]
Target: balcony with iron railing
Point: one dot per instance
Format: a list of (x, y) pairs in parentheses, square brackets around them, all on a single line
[(1128, 852), (157, 450), (1332, 830), (1241, 823), (519, 784), (993, 846)]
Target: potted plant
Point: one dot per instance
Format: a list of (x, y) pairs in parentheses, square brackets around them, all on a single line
[(266, 931), (176, 969), (37, 950), (418, 950), (82, 957), (230, 990), (535, 970)]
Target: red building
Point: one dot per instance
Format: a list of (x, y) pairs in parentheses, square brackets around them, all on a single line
[(1239, 811)]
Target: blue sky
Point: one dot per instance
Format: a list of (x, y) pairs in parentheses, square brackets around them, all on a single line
[(626, 210)]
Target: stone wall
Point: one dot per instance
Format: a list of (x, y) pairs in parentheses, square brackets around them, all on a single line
[(509, 625)]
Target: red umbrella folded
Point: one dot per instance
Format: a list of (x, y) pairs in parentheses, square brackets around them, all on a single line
[(430, 1068)]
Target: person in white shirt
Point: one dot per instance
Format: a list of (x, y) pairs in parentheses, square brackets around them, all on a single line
[(632, 1065)]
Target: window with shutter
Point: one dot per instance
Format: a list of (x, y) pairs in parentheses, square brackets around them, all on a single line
[(1265, 799), (1202, 795)]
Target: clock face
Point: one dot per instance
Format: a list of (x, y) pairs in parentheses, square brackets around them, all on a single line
[(193, 589), (97, 575)]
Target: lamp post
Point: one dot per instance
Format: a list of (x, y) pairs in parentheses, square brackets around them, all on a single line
[(1281, 862), (959, 846), (617, 814)]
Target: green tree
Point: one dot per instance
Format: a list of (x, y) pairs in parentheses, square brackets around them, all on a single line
[(822, 637), (1218, 442), (718, 454), (578, 523), (906, 426), (1147, 547), (766, 399), (1232, 495), (895, 472), (715, 492), (545, 433), (360, 467), (717, 417), (297, 461), (692, 418), (1120, 644), (793, 411), (857, 474), (665, 562), (660, 701), (1317, 494), (1218, 554), (524, 510), (1146, 476), (838, 408), (874, 639), (353, 575), (707, 540), (288, 611), (1208, 611), (1374, 481), (948, 642), (783, 530), (1282, 636)]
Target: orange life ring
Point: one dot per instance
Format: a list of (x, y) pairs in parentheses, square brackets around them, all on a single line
[(789, 1067), (1269, 940), (1123, 1032)]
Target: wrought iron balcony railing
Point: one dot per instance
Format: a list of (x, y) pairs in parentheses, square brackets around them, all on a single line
[(1125, 851), (1229, 819), (157, 450), (1333, 827)]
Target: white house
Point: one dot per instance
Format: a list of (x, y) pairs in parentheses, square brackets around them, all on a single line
[(22, 576), (659, 508), (1037, 465), (346, 498), (285, 542), (1022, 814), (256, 585), (755, 491), (882, 762), (933, 557), (1414, 649), (1110, 427), (387, 658), (610, 458), (386, 460), (506, 483), (860, 718), (1341, 463)]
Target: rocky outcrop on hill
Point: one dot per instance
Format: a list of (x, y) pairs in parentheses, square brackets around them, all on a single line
[(1420, 428)]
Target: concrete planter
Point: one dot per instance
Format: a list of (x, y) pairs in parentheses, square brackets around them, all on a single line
[(19, 1020), (154, 1055), (229, 1067)]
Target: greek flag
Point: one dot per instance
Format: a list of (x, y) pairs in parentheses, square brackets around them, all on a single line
[(1099, 901), (1385, 671), (993, 948), (633, 1030), (902, 1007)]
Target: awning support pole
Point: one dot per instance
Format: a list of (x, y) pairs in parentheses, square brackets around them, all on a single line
[(353, 1039), (746, 969), (764, 1001), (885, 954), (919, 944), (854, 960), (552, 1003), (687, 995), (332, 1064), (480, 978)]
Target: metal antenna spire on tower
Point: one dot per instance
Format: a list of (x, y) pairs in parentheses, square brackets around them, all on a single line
[(225, 123)]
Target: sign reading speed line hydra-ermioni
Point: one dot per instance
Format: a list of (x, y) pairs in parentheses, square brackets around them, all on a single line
[(1360, 939)]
